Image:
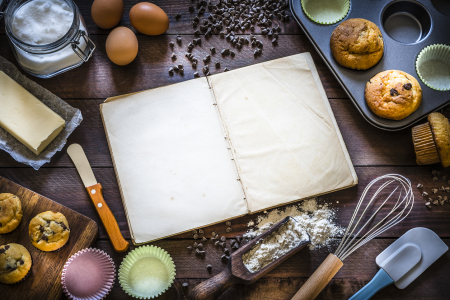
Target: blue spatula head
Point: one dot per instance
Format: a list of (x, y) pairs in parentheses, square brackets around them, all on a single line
[(415, 251)]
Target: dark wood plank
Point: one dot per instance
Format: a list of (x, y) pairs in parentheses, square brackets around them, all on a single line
[(43, 281), (100, 78), (182, 25), (63, 185), (287, 278)]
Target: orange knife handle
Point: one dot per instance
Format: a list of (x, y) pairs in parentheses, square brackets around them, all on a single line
[(112, 228)]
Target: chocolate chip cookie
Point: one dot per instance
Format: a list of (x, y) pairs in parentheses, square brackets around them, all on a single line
[(49, 231), (15, 262), (10, 212), (357, 44), (393, 94)]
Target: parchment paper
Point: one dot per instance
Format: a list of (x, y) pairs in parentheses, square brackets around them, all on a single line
[(71, 115)]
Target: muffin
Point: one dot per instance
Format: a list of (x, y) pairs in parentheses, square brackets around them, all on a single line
[(49, 231), (432, 140), (393, 94), (357, 44), (15, 262), (10, 212)]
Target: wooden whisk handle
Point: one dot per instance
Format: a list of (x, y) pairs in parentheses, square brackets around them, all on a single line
[(319, 279)]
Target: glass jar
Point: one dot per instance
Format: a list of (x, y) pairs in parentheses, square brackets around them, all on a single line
[(48, 60)]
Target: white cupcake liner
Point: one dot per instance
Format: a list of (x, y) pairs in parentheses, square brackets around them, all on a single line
[(105, 265), (326, 12), (433, 66), (127, 272)]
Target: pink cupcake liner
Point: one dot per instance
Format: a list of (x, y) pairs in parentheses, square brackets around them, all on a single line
[(89, 274)]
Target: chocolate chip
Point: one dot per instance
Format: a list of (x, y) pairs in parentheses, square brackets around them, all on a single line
[(407, 86), (232, 53), (195, 245), (190, 248), (174, 56), (185, 285), (200, 246), (217, 65), (235, 246), (199, 252), (394, 92), (226, 69), (2, 251), (228, 229), (225, 258), (196, 75), (1, 223), (217, 243), (200, 231), (226, 251), (7, 247), (238, 238), (45, 238), (177, 16), (222, 244), (21, 262), (223, 238), (213, 50), (209, 268), (232, 241), (228, 223)]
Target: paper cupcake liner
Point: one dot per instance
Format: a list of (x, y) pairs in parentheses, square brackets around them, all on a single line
[(326, 12), (92, 269), (433, 66), (424, 145), (146, 272)]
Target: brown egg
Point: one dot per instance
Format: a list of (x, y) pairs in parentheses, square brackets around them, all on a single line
[(121, 46), (149, 18), (107, 13)]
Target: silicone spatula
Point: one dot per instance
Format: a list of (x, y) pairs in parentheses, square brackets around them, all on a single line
[(403, 261)]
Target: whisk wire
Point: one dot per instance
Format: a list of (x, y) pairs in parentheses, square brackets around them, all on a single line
[(350, 241)]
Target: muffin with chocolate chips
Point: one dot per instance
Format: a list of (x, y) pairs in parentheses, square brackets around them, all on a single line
[(15, 263), (10, 212), (393, 94), (49, 231)]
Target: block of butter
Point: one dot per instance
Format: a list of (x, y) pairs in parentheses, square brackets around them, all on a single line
[(25, 117)]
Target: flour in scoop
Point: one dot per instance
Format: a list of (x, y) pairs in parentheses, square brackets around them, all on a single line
[(275, 245), (316, 219), (41, 22)]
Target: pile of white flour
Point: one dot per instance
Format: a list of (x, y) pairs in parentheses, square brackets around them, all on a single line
[(274, 246), (317, 220)]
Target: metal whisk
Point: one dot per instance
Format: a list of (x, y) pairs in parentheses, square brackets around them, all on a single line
[(401, 207)]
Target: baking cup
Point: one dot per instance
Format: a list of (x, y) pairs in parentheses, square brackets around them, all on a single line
[(433, 66), (424, 145), (146, 272), (326, 12), (88, 274)]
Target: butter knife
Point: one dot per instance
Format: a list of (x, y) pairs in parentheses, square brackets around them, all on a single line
[(94, 189)]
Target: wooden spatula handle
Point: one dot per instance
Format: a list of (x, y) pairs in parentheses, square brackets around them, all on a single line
[(112, 228), (319, 279), (213, 287)]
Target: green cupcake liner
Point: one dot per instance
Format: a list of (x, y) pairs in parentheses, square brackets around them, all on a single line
[(146, 272), (326, 12), (433, 66)]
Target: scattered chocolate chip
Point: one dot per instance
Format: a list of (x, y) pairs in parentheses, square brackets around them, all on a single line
[(179, 39), (225, 258), (226, 69), (213, 234), (232, 241), (428, 204), (200, 231), (190, 248), (238, 238), (222, 244), (419, 185), (407, 86), (199, 252), (435, 178), (191, 8), (213, 50), (394, 92), (232, 53), (171, 44), (217, 243), (200, 246), (235, 246), (274, 41), (209, 268), (217, 65), (424, 194), (226, 251), (180, 66), (434, 191), (177, 16), (185, 285), (228, 229), (174, 56), (195, 245), (195, 236), (223, 238), (228, 223)]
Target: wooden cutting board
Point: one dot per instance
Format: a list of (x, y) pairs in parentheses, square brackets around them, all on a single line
[(44, 279)]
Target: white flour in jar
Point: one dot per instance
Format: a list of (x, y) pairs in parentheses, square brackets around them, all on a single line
[(40, 22), (316, 219)]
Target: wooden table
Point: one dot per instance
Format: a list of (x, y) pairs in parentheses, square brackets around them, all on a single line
[(374, 152)]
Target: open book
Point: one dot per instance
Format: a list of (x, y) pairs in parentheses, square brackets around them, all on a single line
[(210, 149)]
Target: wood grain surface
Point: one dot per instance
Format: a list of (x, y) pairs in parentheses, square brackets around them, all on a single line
[(44, 280), (373, 152)]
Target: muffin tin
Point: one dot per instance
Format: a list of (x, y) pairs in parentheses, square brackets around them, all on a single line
[(408, 26)]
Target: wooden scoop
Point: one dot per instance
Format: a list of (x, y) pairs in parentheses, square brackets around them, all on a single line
[(237, 272)]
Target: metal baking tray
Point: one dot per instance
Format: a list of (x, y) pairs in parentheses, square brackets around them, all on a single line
[(407, 26)]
